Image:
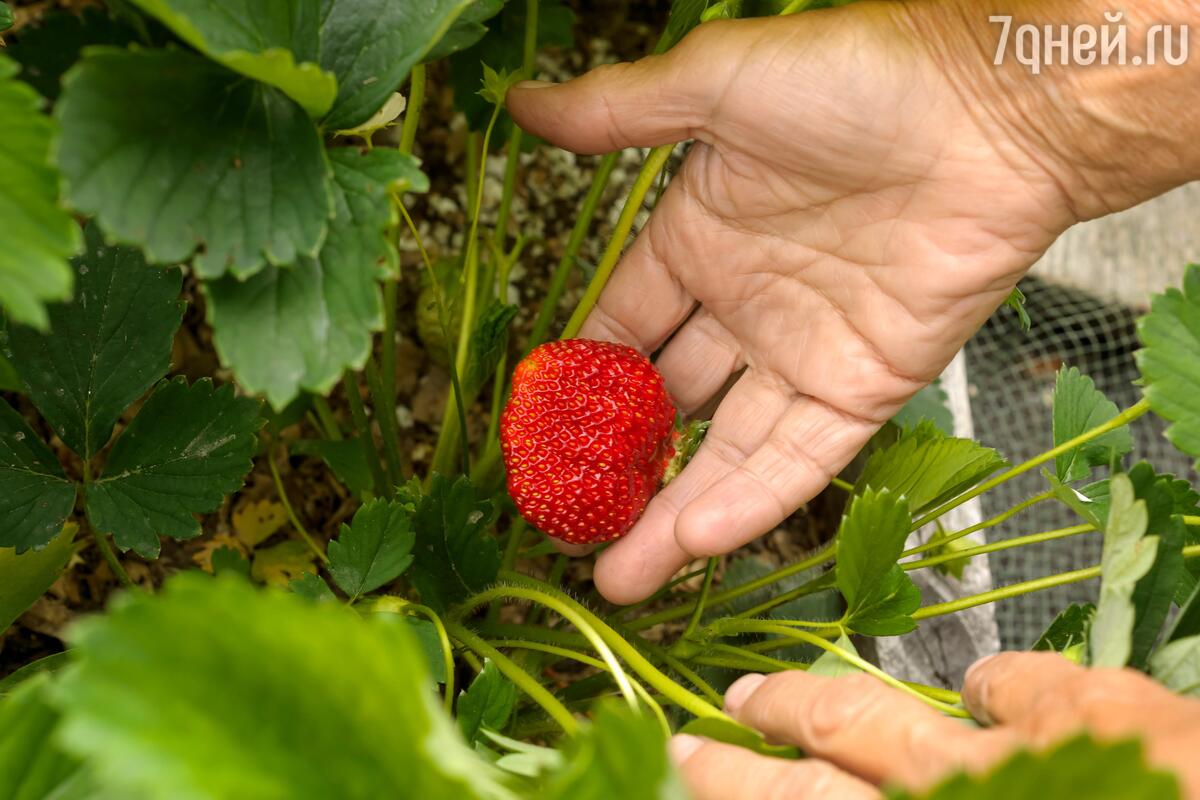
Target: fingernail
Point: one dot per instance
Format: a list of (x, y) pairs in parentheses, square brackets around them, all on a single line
[(740, 690), (682, 745), (533, 84), (978, 665), (976, 700)]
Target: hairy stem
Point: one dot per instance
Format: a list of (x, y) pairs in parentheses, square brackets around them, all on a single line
[(398, 605), (291, 512), (412, 114), (698, 612), (979, 526), (362, 428)]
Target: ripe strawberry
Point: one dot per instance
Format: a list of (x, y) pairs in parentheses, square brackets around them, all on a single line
[(587, 435)]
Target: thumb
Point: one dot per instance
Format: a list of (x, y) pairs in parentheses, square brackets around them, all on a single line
[(659, 99)]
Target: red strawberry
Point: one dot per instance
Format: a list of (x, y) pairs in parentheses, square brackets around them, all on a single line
[(587, 435)]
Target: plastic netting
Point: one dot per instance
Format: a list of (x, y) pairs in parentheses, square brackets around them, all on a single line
[(1011, 383)]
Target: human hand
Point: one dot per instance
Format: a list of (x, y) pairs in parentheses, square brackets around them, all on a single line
[(861, 734), (842, 225)]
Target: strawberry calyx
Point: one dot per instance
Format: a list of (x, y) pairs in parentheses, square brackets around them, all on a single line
[(686, 439)]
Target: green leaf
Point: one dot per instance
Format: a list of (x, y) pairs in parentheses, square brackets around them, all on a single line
[(831, 665), (1078, 407), (730, 732), (50, 665), (1176, 665), (371, 45), (52, 44), (179, 156), (32, 764), (1079, 767), (1170, 361), (187, 448), (930, 403), (880, 597), (35, 495), (294, 328), (685, 15), (928, 467), (1155, 590), (267, 695), (9, 380), (39, 235), (467, 29), (455, 555), (1016, 302), (104, 349), (26, 577), (487, 703), (488, 342), (345, 457), (427, 638), (622, 754), (228, 559), (272, 42), (373, 550), (1187, 621), (1128, 556), (6, 17), (312, 587), (1068, 630), (503, 48)]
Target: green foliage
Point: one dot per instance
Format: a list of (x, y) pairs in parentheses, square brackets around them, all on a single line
[(263, 41), (503, 49), (6, 17), (928, 467), (179, 156), (1079, 767), (299, 326), (32, 764), (880, 597), (35, 495), (26, 577), (104, 349), (1016, 302), (487, 703), (621, 754), (374, 549), (345, 457), (930, 403), (187, 448), (39, 234), (832, 665), (1176, 665), (1069, 630), (1168, 361), (685, 15), (1078, 407), (266, 696), (9, 380), (467, 29), (1128, 556), (455, 554), (488, 342), (229, 560)]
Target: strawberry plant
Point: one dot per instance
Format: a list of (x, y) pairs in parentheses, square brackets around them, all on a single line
[(238, 174)]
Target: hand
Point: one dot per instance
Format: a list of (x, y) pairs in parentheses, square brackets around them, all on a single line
[(861, 734), (845, 220)]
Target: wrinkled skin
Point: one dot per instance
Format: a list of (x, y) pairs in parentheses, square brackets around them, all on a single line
[(860, 734), (842, 225)]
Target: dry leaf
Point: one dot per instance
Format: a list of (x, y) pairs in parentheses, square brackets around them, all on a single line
[(253, 523), (280, 564)]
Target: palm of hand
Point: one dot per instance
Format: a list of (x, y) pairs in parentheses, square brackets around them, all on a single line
[(839, 237)]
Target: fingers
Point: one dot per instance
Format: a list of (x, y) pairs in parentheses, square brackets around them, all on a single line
[(862, 726), (643, 302), (636, 565), (1045, 697), (715, 771), (810, 443), (698, 361), (657, 100)]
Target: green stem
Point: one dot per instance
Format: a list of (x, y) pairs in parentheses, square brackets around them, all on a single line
[(698, 612), (795, 7), (987, 523), (387, 348), (516, 534), (524, 681), (291, 512), (1007, 544), (443, 323), (535, 591), (110, 556), (332, 430), (721, 598), (362, 428), (753, 626), (385, 415), (533, 633), (621, 614), (655, 161), (412, 114), (1124, 418), (398, 605)]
